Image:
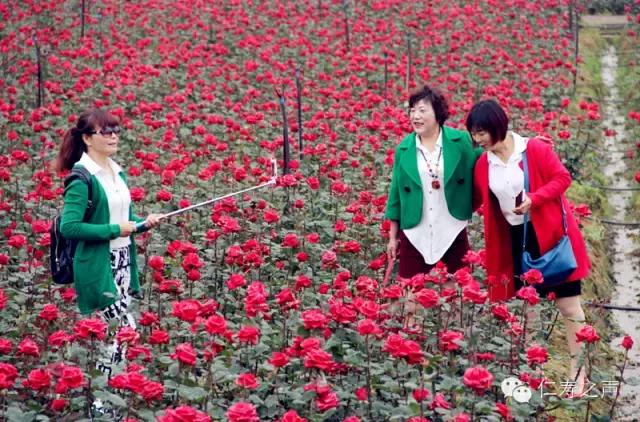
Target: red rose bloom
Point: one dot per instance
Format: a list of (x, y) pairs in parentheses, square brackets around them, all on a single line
[(449, 340), (243, 412), (38, 379), (292, 416), (420, 394), (428, 298), (58, 405), (279, 359), (158, 337), (249, 334), (187, 413), (314, 318), (587, 334), (49, 312), (28, 347), (91, 327), (247, 381), (627, 342), (529, 294), (536, 354), (532, 277), (185, 354), (478, 378)]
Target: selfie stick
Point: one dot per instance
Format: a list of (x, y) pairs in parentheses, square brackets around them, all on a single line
[(140, 227)]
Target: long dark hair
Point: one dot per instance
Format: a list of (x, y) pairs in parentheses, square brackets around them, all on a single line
[(73, 145)]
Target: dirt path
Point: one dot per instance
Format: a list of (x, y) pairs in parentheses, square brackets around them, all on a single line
[(625, 265)]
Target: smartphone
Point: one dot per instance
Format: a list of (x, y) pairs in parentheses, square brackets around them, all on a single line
[(519, 199)]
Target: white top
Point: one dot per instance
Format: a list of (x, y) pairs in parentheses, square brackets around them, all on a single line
[(506, 181), (117, 193), (437, 228)]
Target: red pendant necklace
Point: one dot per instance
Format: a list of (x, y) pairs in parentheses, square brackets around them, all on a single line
[(435, 179)]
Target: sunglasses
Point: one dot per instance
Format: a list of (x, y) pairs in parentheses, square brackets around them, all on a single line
[(107, 131)]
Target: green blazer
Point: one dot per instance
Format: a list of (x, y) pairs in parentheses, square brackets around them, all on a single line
[(404, 203), (92, 277)]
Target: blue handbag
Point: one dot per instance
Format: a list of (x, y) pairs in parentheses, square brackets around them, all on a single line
[(557, 264)]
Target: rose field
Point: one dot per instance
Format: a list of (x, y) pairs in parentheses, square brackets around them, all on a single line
[(273, 305)]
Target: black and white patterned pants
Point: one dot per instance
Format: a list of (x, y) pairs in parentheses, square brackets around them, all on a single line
[(121, 270)]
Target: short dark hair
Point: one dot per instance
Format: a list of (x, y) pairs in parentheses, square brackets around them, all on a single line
[(488, 116), (437, 100)]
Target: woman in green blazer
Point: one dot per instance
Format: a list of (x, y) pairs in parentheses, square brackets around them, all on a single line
[(429, 201), (104, 266)]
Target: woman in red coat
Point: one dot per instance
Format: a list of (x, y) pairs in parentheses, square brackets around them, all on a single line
[(498, 184)]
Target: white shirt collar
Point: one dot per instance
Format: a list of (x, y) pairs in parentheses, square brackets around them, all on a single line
[(422, 147), (94, 168), (519, 146)]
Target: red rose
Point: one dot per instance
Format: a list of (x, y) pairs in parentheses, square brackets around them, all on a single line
[(152, 391), (91, 327), (249, 334), (58, 338), (536, 354), (8, 375), (158, 337), (420, 394), (68, 295), (326, 401), (587, 334), (362, 394), (478, 378), (17, 241), (504, 411), (49, 312), (313, 183), (367, 327), (186, 413), (235, 281), (501, 312), (71, 377), (242, 412), (529, 294), (156, 262), (5, 346), (185, 354), (532, 277), (271, 216), (191, 261), (290, 241), (163, 195), (428, 298), (627, 342), (439, 402), (28, 347), (127, 335), (292, 416), (247, 381), (148, 318), (38, 379), (137, 194), (58, 405), (449, 340), (314, 318), (278, 359), (187, 310), (216, 324), (318, 358)]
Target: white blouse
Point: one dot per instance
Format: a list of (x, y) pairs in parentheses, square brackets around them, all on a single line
[(506, 180), (437, 228), (117, 193)]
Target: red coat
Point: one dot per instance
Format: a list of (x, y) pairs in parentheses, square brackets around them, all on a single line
[(548, 180)]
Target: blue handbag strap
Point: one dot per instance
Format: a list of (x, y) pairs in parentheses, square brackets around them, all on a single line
[(525, 168)]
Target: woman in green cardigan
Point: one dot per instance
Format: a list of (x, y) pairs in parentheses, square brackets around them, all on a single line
[(104, 266), (429, 202)]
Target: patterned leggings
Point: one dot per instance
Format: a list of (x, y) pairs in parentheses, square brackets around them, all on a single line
[(121, 270)]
